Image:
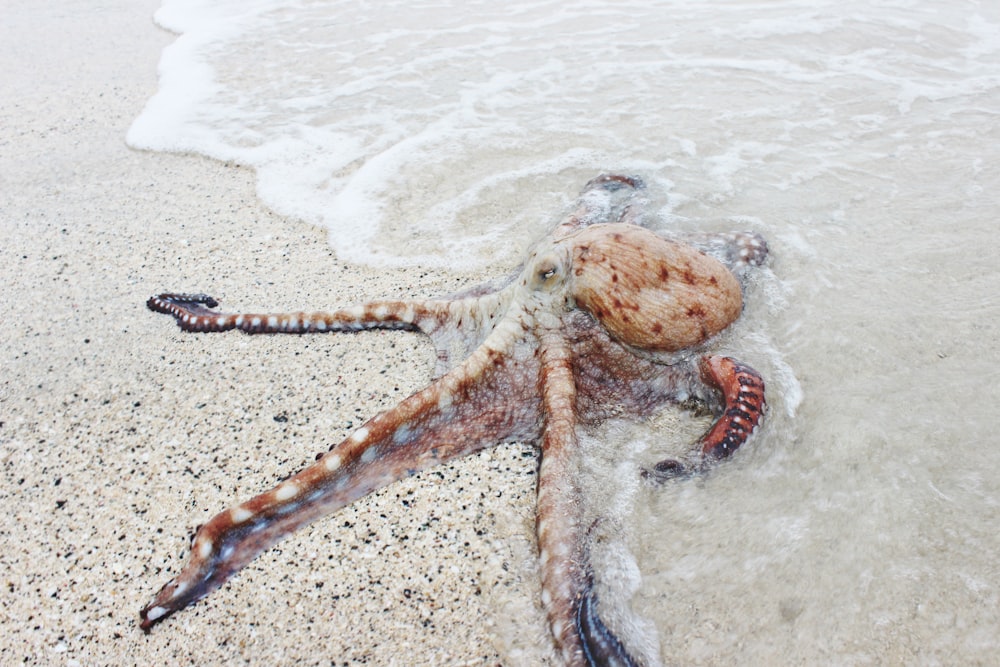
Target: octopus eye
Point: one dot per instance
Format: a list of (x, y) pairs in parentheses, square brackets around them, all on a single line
[(546, 270)]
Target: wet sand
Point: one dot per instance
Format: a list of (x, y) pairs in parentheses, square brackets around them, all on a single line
[(119, 433)]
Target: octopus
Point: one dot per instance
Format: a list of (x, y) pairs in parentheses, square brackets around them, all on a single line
[(605, 319)]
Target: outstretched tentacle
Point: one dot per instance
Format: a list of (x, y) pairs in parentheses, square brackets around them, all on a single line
[(455, 326), (193, 313), (454, 416), (567, 586)]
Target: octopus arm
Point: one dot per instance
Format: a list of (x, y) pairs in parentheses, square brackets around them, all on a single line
[(606, 198), (735, 393), (612, 380), (742, 392), (456, 327), (454, 416), (195, 313), (737, 251), (567, 588)]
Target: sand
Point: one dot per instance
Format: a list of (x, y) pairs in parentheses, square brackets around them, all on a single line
[(119, 433)]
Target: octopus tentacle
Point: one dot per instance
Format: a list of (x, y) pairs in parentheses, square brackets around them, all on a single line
[(428, 428), (567, 588), (738, 251), (601, 648), (742, 411), (742, 391), (193, 313), (456, 327), (613, 182), (613, 203)]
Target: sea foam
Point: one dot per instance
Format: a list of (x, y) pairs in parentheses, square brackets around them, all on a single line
[(420, 133)]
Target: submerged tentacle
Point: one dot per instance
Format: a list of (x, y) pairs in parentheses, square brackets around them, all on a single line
[(601, 648), (567, 588), (606, 198), (454, 416), (741, 390), (738, 251)]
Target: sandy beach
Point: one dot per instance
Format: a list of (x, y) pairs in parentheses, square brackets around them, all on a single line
[(119, 434)]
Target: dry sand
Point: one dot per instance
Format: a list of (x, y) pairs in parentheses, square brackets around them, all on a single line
[(119, 433)]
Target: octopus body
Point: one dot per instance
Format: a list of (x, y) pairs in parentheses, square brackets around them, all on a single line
[(604, 319)]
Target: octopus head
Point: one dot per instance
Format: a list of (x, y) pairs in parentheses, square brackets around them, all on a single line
[(650, 292)]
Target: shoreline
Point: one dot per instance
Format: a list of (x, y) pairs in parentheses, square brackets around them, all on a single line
[(121, 433)]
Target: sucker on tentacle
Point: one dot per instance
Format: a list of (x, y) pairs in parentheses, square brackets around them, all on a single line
[(742, 391), (743, 406), (602, 320)]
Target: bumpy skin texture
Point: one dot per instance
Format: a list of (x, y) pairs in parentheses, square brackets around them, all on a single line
[(605, 318)]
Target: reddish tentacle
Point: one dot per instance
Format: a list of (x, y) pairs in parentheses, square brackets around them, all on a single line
[(742, 390), (743, 406)]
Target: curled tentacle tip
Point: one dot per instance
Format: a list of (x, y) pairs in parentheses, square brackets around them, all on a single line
[(666, 470), (152, 615), (601, 648), (159, 301), (201, 299)]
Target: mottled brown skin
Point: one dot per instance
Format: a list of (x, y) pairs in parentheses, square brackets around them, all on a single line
[(655, 293), (604, 319)]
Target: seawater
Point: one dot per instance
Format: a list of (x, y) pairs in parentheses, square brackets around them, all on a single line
[(861, 138)]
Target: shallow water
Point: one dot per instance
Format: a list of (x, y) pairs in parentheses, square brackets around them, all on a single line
[(861, 139)]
